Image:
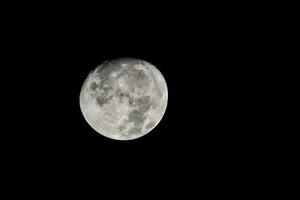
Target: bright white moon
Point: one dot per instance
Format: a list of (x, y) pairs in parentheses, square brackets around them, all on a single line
[(124, 99)]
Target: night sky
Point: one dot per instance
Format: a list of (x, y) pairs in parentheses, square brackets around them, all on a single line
[(206, 57)]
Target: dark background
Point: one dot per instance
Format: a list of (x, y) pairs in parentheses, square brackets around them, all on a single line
[(208, 56)]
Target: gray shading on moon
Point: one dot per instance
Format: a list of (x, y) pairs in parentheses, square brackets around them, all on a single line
[(124, 99)]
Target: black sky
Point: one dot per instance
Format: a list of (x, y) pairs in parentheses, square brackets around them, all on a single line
[(205, 55)]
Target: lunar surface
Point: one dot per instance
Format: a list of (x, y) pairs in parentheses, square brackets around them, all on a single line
[(124, 99)]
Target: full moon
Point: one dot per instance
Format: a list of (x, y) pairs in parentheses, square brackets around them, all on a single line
[(124, 99)]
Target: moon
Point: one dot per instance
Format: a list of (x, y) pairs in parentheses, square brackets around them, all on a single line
[(124, 99)]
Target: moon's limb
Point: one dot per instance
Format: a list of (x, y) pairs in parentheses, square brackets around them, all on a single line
[(124, 99)]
